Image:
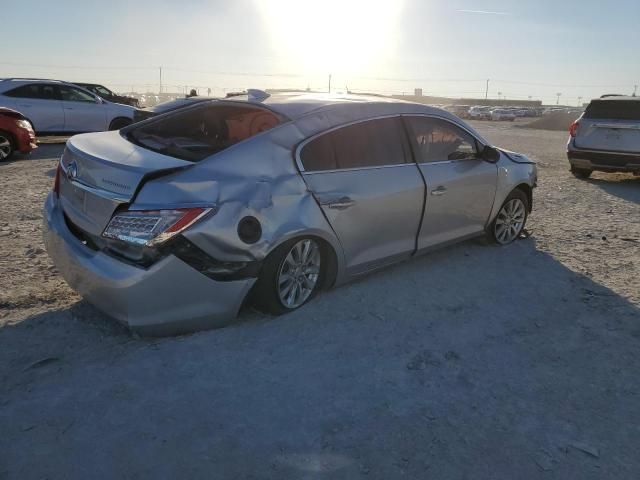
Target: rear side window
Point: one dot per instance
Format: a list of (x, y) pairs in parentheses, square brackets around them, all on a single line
[(37, 90), (373, 143), (613, 109), (438, 140), (196, 133)]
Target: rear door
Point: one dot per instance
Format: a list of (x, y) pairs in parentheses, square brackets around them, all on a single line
[(371, 191), (611, 125), (40, 103), (83, 112), (461, 186)]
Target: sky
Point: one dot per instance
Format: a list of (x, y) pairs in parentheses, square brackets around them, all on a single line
[(538, 48)]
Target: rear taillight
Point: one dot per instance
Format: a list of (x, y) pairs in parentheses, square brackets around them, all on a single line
[(56, 181), (153, 227), (574, 128)]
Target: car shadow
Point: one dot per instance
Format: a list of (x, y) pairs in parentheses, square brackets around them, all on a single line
[(43, 152), (472, 361), (622, 186)]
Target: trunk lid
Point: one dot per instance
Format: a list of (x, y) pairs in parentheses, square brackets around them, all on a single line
[(102, 171), (611, 125)]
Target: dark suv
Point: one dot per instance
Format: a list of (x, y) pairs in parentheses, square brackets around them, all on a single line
[(107, 94), (606, 137)]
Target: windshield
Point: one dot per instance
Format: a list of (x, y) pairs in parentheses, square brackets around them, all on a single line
[(197, 133)]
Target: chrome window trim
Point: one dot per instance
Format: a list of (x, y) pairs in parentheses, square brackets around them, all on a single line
[(302, 144), (357, 169)]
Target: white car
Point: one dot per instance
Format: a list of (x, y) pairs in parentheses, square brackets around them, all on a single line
[(500, 115), (54, 107)]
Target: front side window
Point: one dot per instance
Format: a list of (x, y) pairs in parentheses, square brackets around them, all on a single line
[(196, 133), (438, 140), (70, 94), (374, 143), (105, 92)]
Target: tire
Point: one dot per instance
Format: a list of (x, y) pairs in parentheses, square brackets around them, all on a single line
[(267, 293), (511, 219), (7, 146), (118, 123), (581, 172)]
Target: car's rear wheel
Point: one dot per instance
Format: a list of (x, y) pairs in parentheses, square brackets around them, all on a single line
[(118, 123), (511, 219), (7, 145), (581, 172), (291, 276)]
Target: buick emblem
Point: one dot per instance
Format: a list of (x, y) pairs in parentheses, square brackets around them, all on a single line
[(72, 170)]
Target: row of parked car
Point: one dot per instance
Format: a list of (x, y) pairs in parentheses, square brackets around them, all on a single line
[(484, 112), (53, 107)]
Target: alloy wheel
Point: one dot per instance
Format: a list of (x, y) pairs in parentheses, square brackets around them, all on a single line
[(299, 273), (510, 221), (5, 147)]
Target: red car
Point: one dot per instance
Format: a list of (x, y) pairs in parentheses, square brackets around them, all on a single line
[(16, 134)]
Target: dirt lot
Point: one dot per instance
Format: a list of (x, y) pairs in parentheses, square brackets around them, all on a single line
[(474, 362)]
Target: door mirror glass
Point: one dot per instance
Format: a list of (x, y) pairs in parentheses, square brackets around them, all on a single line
[(490, 154)]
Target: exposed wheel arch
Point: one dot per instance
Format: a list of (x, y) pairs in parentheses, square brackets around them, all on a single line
[(120, 122), (528, 191)]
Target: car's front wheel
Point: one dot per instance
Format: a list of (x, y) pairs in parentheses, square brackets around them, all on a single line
[(291, 276), (511, 219), (7, 146)]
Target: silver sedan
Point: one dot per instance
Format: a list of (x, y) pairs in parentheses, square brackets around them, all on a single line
[(171, 224)]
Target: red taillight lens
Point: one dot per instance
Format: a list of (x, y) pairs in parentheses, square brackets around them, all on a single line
[(574, 128), (56, 181), (152, 227)]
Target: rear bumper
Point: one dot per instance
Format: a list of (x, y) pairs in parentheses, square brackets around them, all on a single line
[(604, 161), (168, 298)]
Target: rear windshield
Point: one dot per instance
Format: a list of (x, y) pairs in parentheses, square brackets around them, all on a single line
[(197, 133), (613, 110)]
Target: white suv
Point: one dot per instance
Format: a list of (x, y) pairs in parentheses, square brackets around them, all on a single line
[(606, 137), (58, 107)]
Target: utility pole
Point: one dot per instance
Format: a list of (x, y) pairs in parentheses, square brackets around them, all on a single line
[(160, 80), (329, 83), (486, 92), (558, 99), (579, 101), (635, 90)]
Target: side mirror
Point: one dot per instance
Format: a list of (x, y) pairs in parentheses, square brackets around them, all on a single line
[(490, 154)]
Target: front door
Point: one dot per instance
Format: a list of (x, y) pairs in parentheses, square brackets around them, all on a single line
[(82, 111), (369, 189), (460, 185)]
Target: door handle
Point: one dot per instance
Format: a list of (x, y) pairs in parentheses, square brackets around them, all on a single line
[(439, 191), (68, 108), (339, 204)]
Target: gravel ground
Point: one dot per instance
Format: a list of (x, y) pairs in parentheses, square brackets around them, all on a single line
[(472, 362)]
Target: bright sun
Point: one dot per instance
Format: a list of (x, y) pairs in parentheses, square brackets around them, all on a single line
[(345, 37)]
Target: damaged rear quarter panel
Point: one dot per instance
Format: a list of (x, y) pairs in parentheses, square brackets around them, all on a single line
[(258, 178)]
